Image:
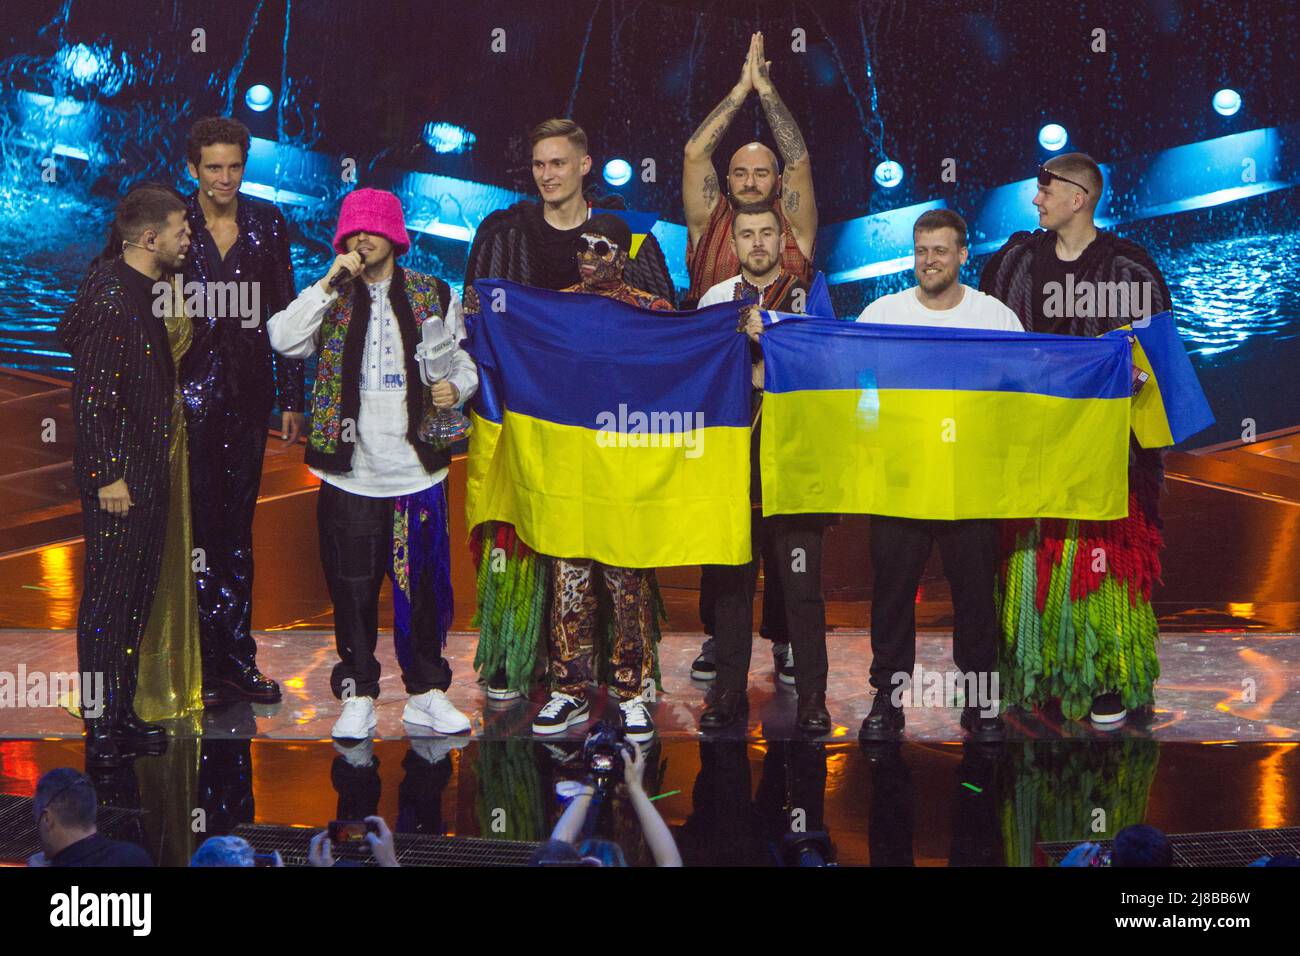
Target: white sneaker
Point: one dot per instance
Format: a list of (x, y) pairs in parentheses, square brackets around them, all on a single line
[(360, 754), (358, 720), (433, 709), (637, 724), (433, 749)]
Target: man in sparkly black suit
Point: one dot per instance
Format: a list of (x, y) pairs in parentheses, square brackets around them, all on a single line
[(229, 380), (123, 387)]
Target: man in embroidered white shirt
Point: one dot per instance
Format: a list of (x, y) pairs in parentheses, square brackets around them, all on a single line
[(383, 504)]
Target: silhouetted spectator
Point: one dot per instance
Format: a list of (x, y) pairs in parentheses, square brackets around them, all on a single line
[(1139, 845), (228, 851), (64, 809)]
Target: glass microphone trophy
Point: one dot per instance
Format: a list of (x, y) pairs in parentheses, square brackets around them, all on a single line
[(441, 426)]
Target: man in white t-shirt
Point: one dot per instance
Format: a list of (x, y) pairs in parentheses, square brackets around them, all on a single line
[(900, 547), (939, 297)]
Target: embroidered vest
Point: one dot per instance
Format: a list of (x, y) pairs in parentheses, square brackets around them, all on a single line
[(336, 395)]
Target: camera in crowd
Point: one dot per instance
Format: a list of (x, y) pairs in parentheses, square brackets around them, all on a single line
[(604, 753)]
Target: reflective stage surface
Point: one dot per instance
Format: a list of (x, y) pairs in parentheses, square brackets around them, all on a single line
[(727, 802)]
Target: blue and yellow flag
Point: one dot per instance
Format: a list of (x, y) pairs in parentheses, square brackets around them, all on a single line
[(943, 423), (610, 432), (640, 224), (1171, 405)]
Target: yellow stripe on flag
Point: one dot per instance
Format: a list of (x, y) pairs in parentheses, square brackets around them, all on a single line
[(946, 454), (576, 492), (1150, 421)]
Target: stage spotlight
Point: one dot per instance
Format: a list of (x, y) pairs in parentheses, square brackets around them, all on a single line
[(259, 98), (448, 138), (1226, 102), (618, 172), (81, 62), (1052, 137), (889, 174)]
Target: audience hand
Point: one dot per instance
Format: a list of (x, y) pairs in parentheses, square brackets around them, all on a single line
[(320, 852), (381, 843)]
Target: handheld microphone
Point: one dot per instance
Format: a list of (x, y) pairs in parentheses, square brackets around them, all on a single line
[(209, 193), (344, 277)]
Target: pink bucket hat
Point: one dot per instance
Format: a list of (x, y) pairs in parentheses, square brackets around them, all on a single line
[(375, 211)]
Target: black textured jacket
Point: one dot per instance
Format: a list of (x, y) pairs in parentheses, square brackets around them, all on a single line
[(122, 386), (504, 241), (229, 363), (1009, 276)]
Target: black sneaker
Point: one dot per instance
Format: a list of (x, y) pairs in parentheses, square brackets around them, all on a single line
[(705, 667), (559, 714), (783, 662), (1108, 709), (983, 730), (498, 688), (637, 723), (885, 722)]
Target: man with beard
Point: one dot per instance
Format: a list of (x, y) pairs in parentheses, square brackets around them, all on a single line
[(900, 547), (533, 243), (795, 585), (711, 257), (1108, 567), (123, 388), (752, 177), (229, 379)]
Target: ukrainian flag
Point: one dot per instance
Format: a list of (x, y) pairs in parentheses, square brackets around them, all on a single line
[(943, 423), (610, 432), (1171, 405), (640, 224)]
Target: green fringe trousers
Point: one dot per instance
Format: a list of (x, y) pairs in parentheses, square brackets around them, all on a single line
[(1067, 640), (513, 597)]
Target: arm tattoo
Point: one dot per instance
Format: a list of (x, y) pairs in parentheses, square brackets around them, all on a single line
[(791, 197), (788, 138), (722, 115), (710, 188)]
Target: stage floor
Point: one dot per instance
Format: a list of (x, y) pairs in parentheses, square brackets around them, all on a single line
[(1213, 687)]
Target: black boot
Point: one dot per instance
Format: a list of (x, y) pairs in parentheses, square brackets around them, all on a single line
[(813, 717), (102, 752), (983, 730), (131, 729), (245, 682), (885, 722), (724, 708)]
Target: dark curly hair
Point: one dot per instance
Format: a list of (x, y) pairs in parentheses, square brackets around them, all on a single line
[(216, 129)]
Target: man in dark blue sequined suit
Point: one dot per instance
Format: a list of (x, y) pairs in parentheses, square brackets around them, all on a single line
[(229, 380)]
